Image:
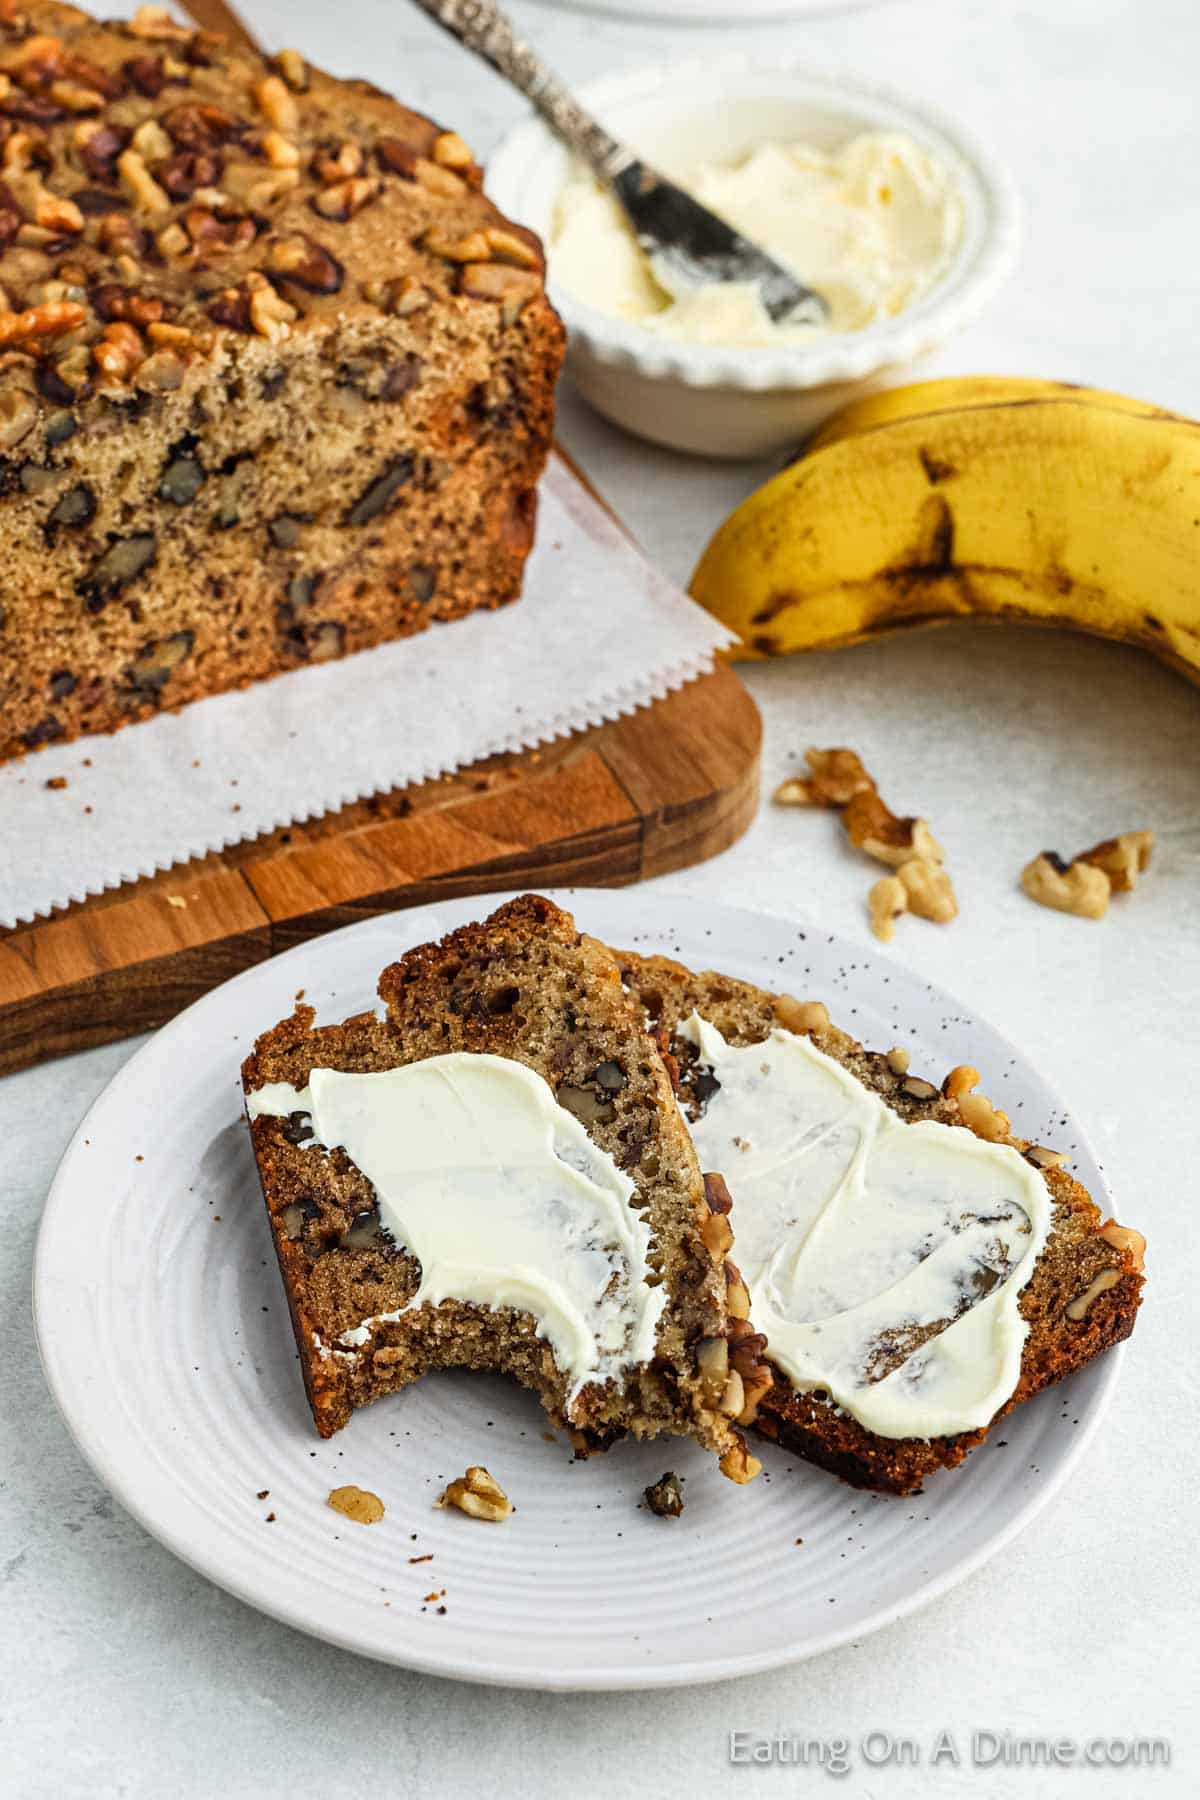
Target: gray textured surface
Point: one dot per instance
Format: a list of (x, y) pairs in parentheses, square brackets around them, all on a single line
[(127, 1675)]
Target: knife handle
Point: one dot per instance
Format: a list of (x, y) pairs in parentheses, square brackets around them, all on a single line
[(487, 30)]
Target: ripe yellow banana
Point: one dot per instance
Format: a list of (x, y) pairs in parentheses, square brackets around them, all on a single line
[(980, 497)]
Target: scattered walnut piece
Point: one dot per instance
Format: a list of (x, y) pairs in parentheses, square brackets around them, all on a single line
[(479, 1495), (1083, 886), (928, 890), (737, 1462), (1122, 858), (837, 775), (839, 780), (1079, 887), (356, 1503), (887, 900), (873, 827), (665, 1496)]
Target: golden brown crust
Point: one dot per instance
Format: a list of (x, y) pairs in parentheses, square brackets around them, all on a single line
[(255, 407), (526, 985), (1078, 1265)]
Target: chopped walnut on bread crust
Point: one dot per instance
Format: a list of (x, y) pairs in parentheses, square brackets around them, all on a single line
[(276, 379)]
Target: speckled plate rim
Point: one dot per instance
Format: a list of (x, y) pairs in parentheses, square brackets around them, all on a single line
[(597, 910)]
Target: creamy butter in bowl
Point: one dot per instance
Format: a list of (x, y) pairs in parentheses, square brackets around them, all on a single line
[(883, 206), (873, 227)]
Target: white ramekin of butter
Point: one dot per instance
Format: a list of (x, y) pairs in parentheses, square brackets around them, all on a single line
[(880, 203)]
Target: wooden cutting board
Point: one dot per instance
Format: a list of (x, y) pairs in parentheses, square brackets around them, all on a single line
[(670, 785)]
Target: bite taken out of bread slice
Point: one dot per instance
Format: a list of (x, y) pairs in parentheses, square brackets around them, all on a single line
[(495, 1175), (930, 1338)]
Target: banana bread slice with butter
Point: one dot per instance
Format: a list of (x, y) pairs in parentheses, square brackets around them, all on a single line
[(496, 1176), (276, 379), (932, 1316)]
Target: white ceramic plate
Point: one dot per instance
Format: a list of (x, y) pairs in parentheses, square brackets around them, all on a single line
[(166, 1343)]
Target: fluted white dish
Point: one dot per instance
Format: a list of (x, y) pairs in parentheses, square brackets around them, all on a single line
[(719, 401), (166, 1343)]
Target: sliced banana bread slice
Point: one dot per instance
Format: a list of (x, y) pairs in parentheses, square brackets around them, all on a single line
[(1073, 1298), (495, 1175)]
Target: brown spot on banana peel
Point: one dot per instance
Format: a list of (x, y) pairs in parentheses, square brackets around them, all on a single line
[(930, 558), (1154, 464), (933, 552), (883, 618), (926, 586), (936, 468), (929, 564)]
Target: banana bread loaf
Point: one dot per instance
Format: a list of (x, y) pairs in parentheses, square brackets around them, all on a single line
[(381, 1282), (1081, 1297), (276, 380)]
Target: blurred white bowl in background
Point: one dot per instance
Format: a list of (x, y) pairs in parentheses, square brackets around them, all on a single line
[(712, 12), (719, 401)]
